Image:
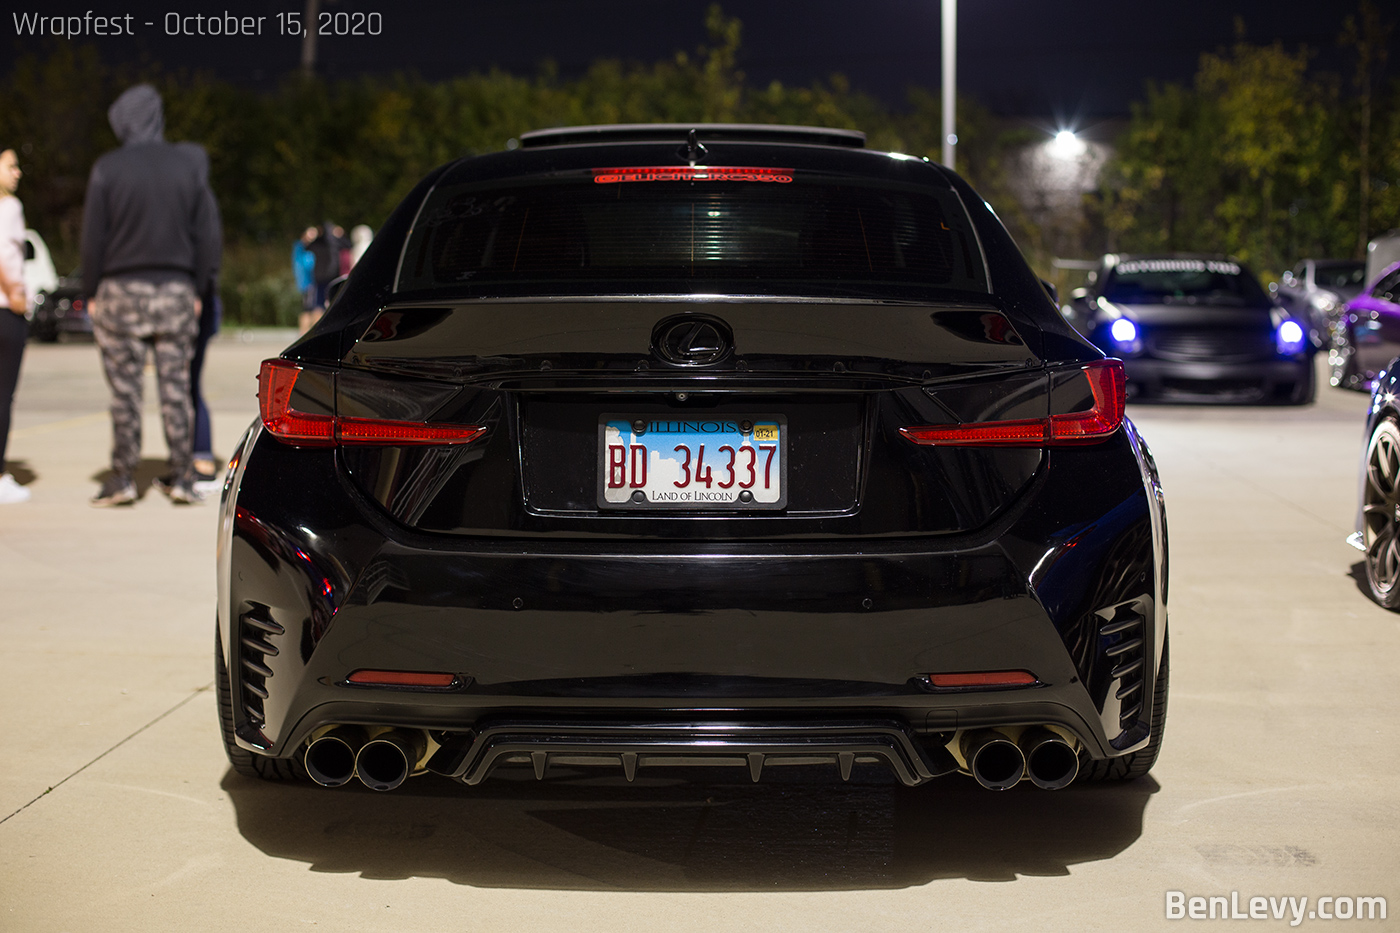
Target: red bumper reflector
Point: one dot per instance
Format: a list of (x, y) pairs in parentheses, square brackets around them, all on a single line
[(613, 176), (1107, 382), (983, 679), (402, 678), (275, 382)]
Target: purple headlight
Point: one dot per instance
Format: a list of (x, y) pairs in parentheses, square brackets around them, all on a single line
[(1123, 331), (1290, 338)]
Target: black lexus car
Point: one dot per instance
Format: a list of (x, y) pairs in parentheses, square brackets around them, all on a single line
[(640, 446), (1196, 328)]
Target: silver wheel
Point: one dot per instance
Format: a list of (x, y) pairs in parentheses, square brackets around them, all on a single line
[(1380, 510)]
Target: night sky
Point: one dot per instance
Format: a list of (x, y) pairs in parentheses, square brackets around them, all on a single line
[(1061, 62)]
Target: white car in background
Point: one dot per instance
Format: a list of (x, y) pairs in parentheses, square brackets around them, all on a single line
[(39, 272)]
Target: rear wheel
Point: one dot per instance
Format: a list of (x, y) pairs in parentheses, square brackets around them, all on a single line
[(1135, 765), (1305, 393), (245, 762), (1380, 513), (44, 328)]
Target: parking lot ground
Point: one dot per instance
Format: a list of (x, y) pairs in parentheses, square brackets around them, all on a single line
[(118, 811)]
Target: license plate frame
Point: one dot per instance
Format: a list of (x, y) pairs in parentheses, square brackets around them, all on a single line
[(661, 466)]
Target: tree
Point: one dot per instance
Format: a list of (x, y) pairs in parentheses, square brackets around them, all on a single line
[(1369, 38)]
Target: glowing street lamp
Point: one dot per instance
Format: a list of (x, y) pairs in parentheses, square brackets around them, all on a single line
[(1066, 145)]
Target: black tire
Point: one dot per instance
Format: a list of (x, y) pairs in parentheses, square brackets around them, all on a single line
[(1306, 391), (1132, 766), (245, 762), (44, 330), (1380, 513)]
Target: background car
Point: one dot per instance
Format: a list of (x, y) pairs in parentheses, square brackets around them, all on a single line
[(742, 446), (61, 311), (1382, 252), (1195, 327), (1316, 290), (39, 273), (1367, 334)]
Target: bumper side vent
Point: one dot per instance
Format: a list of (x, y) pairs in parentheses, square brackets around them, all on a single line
[(1122, 637), (256, 630)]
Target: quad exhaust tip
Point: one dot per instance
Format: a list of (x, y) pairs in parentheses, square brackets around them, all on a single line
[(344, 753), (1049, 760), (995, 761), (386, 761), (330, 759)]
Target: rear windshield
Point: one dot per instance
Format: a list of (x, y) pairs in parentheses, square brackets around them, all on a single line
[(755, 230), (1183, 281)]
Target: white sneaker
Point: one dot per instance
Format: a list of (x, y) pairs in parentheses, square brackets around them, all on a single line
[(10, 491)]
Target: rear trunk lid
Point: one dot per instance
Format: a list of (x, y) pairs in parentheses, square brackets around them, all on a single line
[(715, 383)]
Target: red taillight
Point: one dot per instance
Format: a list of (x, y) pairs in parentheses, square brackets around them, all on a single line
[(984, 679), (1108, 384), (275, 382), (613, 176), (401, 679), (371, 431)]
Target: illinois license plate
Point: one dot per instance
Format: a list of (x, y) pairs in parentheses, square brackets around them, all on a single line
[(723, 462)]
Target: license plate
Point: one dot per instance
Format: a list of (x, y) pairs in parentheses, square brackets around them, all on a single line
[(724, 462)]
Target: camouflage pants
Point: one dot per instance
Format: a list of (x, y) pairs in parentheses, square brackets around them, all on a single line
[(131, 317)]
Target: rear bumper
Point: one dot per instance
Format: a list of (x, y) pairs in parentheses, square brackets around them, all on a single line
[(678, 651), (1260, 381)]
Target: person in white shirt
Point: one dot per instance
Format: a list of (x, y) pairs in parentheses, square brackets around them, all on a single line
[(14, 302)]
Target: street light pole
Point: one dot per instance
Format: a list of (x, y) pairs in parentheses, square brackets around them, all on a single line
[(950, 71), (308, 39)]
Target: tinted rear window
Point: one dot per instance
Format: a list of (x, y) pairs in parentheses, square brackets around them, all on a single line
[(782, 236), (1183, 281)]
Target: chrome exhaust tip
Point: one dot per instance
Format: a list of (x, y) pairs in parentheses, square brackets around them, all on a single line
[(995, 761), (330, 759), (386, 761), (1051, 762)]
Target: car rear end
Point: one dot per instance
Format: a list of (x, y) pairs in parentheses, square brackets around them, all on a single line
[(716, 450)]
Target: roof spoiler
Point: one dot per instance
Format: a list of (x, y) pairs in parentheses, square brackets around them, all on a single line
[(680, 132)]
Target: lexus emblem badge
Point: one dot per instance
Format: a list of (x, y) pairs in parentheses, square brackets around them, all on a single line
[(692, 340)]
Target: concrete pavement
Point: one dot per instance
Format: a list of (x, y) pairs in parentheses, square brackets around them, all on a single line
[(118, 811)]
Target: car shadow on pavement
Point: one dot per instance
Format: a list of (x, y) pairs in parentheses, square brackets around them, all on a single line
[(796, 832)]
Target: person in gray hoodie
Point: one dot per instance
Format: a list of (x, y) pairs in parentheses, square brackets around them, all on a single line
[(150, 245)]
